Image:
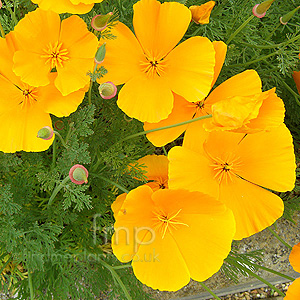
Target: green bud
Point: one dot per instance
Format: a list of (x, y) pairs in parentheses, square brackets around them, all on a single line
[(100, 54), (284, 19)]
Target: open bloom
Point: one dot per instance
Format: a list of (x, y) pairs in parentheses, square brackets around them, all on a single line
[(67, 6), (48, 44), (238, 104), (238, 169), (150, 65), (156, 167), (172, 236), (201, 13), (293, 292), (25, 109)]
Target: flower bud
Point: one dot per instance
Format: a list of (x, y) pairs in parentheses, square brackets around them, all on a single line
[(259, 10), (100, 54), (284, 19), (201, 13), (45, 133), (99, 22), (78, 174), (107, 90)]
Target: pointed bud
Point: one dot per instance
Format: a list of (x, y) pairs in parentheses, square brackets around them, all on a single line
[(78, 174), (259, 10), (284, 19), (99, 22), (107, 90), (45, 133), (100, 54)]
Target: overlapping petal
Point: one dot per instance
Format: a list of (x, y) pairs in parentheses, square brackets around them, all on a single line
[(293, 291), (295, 257), (201, 13), (159, 27)]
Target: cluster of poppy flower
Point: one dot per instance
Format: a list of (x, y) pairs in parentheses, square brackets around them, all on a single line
[(207, 192), (216, 186)]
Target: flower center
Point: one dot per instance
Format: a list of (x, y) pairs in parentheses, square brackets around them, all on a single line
[(153, 67), (225, 169), (55, 55), (167, 221), (29, 96)]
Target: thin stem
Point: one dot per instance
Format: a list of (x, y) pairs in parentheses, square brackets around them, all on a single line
[(239, 29), (111, 182), (71, 125), (164, 127), (57, 189), (53, 154), (290, 90), (2, 31), (254, 61), (12, 13), (273, 31), (117, 278), (122, 267), (90, 92), (210, 291), (280, 239), (247, 270), (165, 151), (273, 271), (4, 266), (30, 286), (60, 137)]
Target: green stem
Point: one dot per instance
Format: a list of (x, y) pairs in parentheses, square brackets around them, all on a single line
[(164, 127), (247, 270), (273, 271), (254, 61), (53, 154), (209, 290), (30, 286), (290, 90), (12, 13), (239, 29), (165, 151), (71, 125), (111, 182), (7, 262), (90, 93), (121, 267), (57, 189), (271, 34), (60, 137), (280, 239), (2, 31), (116, 276)]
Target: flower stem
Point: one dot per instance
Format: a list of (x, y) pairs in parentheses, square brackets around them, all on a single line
[(57, 189), (255, 60), (273, 271), (30, 286), (239, 29), (210, 291), (164, 127), (165, 151), (280, 239), (121, 267), (90, 92), (117, 278), (111, 182), (71, 125), (273, 31), (53, 154), (60, 137), (247, 270), (2, 31)]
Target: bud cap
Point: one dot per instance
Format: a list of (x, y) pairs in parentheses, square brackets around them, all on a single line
[(45, 133), (100, 54), (259, 10), (284, 19), (99, 22), (107, 90), (78, 174)]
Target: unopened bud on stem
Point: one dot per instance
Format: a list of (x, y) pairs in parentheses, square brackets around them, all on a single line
[(78, 174), (100, 22), (107, 90), (100, 54), (284, 19), (45, 133), (259, 10)]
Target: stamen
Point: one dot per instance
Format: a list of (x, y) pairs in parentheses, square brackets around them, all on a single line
[(152, 67), (55, 55)]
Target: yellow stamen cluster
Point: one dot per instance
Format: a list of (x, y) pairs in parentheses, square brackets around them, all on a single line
[(153, 67), (30, 95), (55, 54)]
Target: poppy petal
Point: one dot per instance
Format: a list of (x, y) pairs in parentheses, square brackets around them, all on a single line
[(220, 49), (295, 257), (293, 291), (159, 27)]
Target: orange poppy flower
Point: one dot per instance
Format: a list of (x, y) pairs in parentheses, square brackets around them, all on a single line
[(152, 66), (296, 76), (156, 167), (67, 6), (172, 236), (47, 43), (238, 104), (238, 169), (293, 291), (25, 109), (201, 13)]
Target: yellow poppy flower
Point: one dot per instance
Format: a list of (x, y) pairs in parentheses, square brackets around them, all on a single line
[(67, 6), (237, 168), (47, 43), (201, 13), (171, 236), (238, 104), (293, 291), (296, 76), (156, 167), (152, 66), (25, 109)]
